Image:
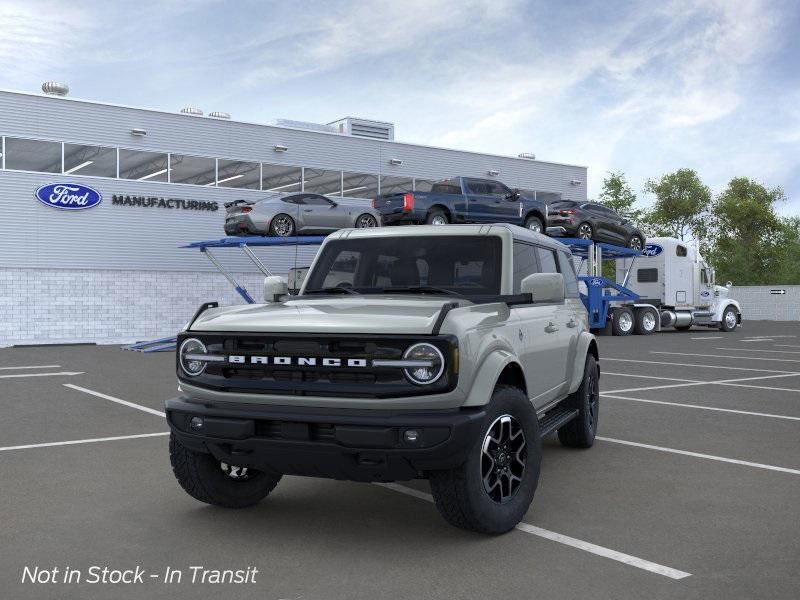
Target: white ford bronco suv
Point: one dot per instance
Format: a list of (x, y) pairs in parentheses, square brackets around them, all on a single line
[(444, 353)]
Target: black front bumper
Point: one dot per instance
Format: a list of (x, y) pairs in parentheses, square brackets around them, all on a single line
[(355, 445)]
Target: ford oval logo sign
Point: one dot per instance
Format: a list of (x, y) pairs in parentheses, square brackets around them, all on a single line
[(652, 250), (68, 196)]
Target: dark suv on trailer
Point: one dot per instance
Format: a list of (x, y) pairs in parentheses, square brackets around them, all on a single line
[(593, 221)]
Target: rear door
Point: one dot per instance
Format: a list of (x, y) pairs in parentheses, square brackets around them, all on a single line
[(480, 201)]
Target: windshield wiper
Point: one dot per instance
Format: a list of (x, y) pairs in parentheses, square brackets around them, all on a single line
[(332, 290), (420, 289)]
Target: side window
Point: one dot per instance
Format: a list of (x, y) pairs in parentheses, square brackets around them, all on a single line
[(647, 275), (547, 260), (703, 276), (293, 199), (497, 189), (524, 263), (570, 278), (316, 201), (680, 250), (477, 187)]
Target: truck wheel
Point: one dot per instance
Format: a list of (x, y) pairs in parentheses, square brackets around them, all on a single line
[(645, 321), (282, 225), (206, 479), (492, 490), (729, 320), (580, 432), (622, 321), (534, 224), (437, 217)]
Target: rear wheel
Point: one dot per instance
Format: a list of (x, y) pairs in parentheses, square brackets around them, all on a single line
[(366, 220), (580, 432), (729, 320), (534, 224), (437, 217), (585, 231), (493, 489), (622, 321), (206, 479), (282, 225), (635, 242), (645, 323)]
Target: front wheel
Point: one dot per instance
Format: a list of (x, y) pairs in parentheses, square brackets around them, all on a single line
[(729, 320), (492, 490), (365, 221), (208, 480), (282, 225), (534, 224)]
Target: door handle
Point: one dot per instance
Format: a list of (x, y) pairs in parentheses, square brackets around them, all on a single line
[(571, 323), (551, 328), (307, 210)]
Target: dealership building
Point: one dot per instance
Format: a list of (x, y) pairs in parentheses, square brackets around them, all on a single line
[(115, 271)]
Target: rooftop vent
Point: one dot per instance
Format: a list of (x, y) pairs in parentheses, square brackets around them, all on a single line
[(527, 155), (192, 110), (219, 115), (303, 125), (376, 130), (53, 88)]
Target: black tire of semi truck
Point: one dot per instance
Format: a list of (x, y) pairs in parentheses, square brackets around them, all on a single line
[(580, 432), (729, 323), (622, 321), (461, 494), (205, 479), (645, 322)]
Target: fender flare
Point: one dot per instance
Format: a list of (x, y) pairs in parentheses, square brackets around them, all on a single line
[(486, 377), (586, 343), (723, 305)]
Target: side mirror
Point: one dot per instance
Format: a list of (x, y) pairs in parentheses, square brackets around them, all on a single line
[(334, 204), (514, 195), (274, 288), (544, 287), (729, 284)]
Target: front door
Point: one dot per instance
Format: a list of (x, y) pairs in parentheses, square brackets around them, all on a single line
[(321, 214)]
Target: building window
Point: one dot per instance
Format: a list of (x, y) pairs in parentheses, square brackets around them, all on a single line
[(196, 170), (33, 155), (279, 178), (143, 166), (396, 185), (359, 185), (320, 181), (423, 185), (90, 160), (238, 174)]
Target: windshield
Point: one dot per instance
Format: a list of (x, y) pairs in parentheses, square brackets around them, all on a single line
[(463, 265)]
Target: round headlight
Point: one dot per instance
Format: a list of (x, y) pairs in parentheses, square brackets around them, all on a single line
[(432, 368), (188, 353)]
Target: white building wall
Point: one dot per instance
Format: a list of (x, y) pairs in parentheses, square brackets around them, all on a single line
[(759, 303)]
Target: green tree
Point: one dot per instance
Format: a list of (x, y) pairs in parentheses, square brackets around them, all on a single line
[(618, 195), (681, 205), (751, 244)]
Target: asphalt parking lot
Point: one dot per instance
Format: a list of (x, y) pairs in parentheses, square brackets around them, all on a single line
[(691, 491)]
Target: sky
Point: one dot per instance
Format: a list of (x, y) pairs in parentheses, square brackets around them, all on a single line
[(639, 87)]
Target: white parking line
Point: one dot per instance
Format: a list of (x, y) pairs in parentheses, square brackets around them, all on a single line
[(627, 559), (727, 356), (152, 411), (708, 337), (31, 367), (692, 382), (20, 375), (759, 350), (86, 441), (756, 340), (700, 455), (713, 408), (649, 377), (787, 346), (674, 364)]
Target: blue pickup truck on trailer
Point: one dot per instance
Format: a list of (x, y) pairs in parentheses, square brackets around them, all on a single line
[(464, 200)]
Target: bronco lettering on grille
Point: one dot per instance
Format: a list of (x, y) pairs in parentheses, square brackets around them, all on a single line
[(299, 361)]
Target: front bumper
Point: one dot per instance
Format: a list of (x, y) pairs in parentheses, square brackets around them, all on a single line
[(357, 445)]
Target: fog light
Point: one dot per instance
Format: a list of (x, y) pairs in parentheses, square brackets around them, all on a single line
[(196, 423), (411, 436)]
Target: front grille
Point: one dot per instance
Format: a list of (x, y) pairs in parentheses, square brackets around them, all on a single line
[(307, 380)]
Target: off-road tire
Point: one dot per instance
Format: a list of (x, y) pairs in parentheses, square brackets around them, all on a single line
[(437, 214), (640, 324), (580, 432), (619, 322), (273, 231), (724, 326), (532, 220), (459, 493), (202, 477)]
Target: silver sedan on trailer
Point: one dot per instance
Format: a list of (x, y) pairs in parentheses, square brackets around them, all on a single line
[(283, 215)]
